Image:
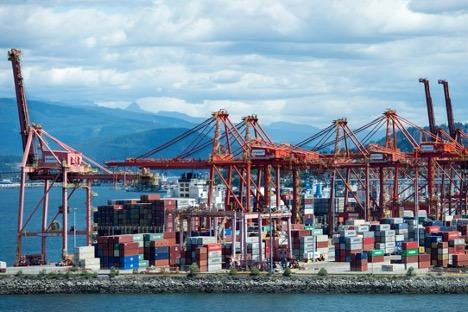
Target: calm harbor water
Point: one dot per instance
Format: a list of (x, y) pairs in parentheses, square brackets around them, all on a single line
[(244, 303), (9, 210)]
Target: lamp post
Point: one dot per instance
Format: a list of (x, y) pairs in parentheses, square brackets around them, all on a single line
[(74, 229), (271, 242)]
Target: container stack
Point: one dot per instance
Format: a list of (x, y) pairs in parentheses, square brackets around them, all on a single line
[(85, 258), (460, 260), (307, 248), (227, 251), (197, 252), (359, 262), (386, 237), (147, 214), (376, 256), (118, 251), (253, 250), (424, 261), (201, 256), (346, 244), (214, 257), (298, 244), (410, 252), (321, 245), (159, 254), (440, 255), (398, 225), (368, 240)]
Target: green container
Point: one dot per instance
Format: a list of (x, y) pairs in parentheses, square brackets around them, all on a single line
[(317, 231), (309, 227), (410, 252), (153, 236), (141, 257), (137, 237), (266, 228), (143, 263), (377, 252)]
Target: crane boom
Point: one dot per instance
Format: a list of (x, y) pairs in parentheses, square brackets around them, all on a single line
[(14, 56), (430, 108), (448, 105)]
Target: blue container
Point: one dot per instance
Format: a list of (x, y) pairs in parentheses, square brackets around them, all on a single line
[(400, 226), (431, 239), (159, 256), (228, 232), (164, 249), (361, 256), (104, 261), (129, 262)]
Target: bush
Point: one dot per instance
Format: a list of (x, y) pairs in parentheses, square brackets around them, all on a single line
[(193, 270), (42, 273), (19, 273), (322, 272), (411, 272), (233, 272), (87, 275), (287, 272), (113, 272), (254, 272), (53, 275), (68, 274)]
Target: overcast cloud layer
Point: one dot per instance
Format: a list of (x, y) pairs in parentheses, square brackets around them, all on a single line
[(299, 61)]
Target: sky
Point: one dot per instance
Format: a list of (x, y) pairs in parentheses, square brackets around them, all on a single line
[(309, 61)]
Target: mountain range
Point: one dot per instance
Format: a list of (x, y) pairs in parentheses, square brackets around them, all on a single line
[(105, 133)]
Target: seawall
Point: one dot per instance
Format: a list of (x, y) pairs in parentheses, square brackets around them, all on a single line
[(235, 284)]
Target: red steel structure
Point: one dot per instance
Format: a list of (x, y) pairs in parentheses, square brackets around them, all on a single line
[(250, 166), (46, 159)]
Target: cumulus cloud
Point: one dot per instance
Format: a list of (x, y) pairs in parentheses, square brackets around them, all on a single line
[(298, 61), (435, 6)]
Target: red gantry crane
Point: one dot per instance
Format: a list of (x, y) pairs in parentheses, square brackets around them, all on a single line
[(50, 161)]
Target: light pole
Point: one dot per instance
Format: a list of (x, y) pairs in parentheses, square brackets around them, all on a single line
[(271, 242), (74, 229)]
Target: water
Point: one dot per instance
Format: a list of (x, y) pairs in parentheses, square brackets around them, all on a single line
[(181, 302), (9, 211), (235, 302)]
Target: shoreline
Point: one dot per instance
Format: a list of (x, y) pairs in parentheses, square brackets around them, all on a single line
[(223, 283)]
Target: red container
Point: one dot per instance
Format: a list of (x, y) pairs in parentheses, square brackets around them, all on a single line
[(409, 245), (376, 259), (128, 252), (442, 245), (410, 259), (213, 247), (424, 264), (160, 263), (322, 244), (432, 229), (424, 257), (201, 250), (160, 243), (123, 238), (446, 236), (150, 197), (297, 226)]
